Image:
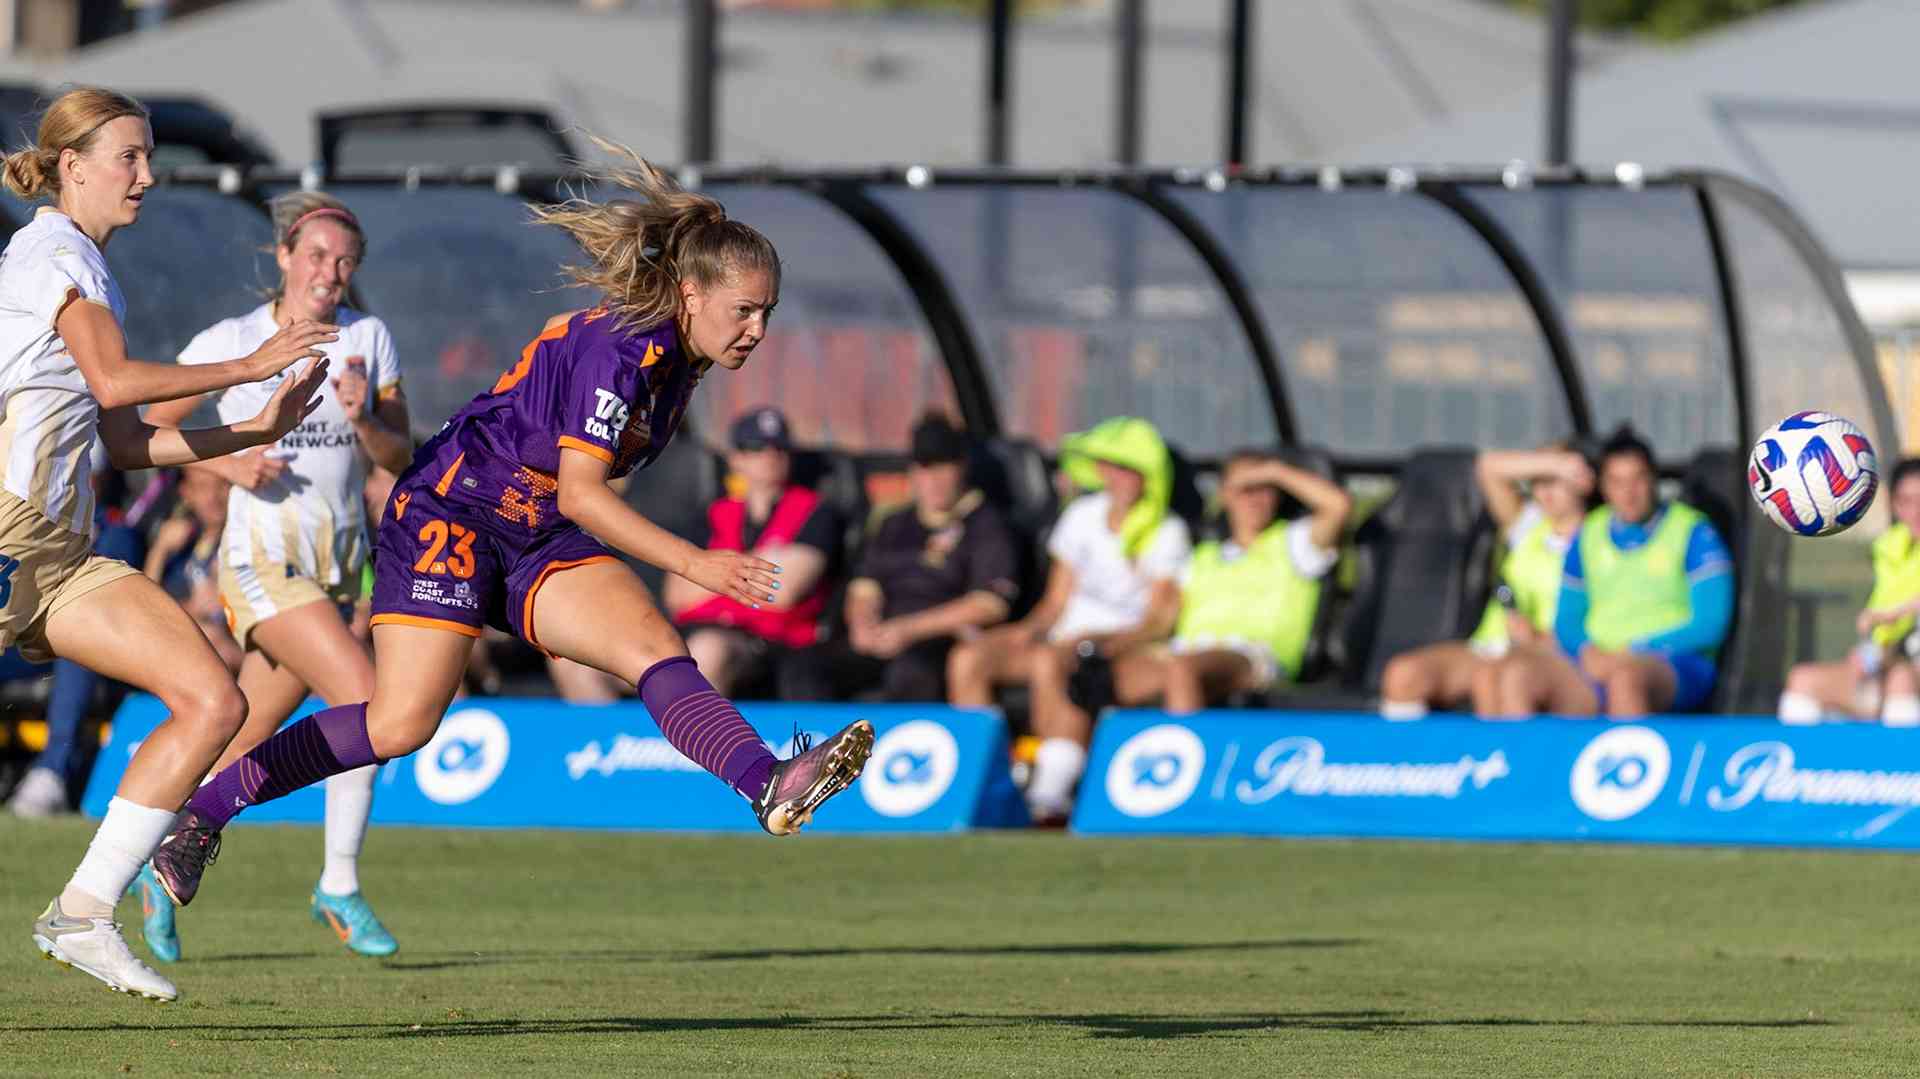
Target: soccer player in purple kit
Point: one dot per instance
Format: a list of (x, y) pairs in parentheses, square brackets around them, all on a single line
[(495, 523)]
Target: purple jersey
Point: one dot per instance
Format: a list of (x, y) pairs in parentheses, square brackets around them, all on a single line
[(585, 385)]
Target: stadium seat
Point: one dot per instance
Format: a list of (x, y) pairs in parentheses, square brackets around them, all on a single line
[(1017, 480), (836, 478), (1422, 563), (1715, 484)]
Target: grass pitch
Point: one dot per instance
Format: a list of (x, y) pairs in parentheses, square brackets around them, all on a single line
[(588, 954)]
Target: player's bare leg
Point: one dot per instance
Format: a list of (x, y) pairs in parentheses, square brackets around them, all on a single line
[(115, 631), (601, 615), (419, 671)]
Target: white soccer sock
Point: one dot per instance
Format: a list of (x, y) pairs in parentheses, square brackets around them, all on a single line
[(1901, 710), (127, 837), (1799, 709), (1057, 765), (1402, 711), (349, 801)]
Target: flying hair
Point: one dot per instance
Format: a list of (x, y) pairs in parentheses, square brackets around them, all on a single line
[(639, 250)]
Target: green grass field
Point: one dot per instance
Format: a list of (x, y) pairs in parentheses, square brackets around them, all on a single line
[(588, 954)]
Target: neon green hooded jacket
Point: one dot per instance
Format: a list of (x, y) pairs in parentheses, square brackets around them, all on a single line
[(1132, 443)]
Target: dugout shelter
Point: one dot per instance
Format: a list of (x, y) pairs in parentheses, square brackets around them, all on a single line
[(1378, 325)]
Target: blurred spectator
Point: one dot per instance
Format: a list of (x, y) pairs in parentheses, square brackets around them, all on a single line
[(1247, 603), (942, 567), (57, 777), (185, 557), (1536, 530), (1878, 676), (740, 647), (1645, 603), (1117, 558)]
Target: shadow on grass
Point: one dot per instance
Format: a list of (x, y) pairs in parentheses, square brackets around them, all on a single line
[(1098, 1025), (970, 951)]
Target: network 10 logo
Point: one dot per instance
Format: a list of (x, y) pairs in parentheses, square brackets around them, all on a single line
[(1620, 773), (1156, 771)]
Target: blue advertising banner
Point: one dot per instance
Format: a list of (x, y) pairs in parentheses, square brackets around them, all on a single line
[(509, 762), (1670, 779)]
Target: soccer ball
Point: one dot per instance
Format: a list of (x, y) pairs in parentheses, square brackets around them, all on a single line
[(1813, 474)]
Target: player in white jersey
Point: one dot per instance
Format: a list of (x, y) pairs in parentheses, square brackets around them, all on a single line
[(66, 380), (295, 544)]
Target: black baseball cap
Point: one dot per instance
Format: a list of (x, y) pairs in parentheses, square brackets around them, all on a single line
[(937, 441), (761, 429)]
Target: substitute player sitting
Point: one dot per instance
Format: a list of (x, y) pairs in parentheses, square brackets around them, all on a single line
[(1645, 601), (1247, 603), (1878, 677), (1538, 528), (507, 517)]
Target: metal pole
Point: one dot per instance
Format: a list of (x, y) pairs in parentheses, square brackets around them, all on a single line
[(1239, 74), (702, 61), (999, 31), (1560, 82), (1127, 94)]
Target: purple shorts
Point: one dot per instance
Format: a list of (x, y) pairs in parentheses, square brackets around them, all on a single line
[(444, 565)]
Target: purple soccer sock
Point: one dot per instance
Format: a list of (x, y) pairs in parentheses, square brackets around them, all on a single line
[(326, 743), (703, 725)]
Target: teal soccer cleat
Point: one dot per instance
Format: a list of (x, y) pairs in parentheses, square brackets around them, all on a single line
[(156, 909), (353, 921)]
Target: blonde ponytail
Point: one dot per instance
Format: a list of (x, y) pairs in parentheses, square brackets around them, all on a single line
[(70, 123)]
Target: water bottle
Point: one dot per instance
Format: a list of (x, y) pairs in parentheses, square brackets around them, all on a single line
[(1870, 657)]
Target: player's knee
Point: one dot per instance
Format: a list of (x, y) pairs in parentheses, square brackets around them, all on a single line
[(966, 663), (1404, 679), (1046, 666), (396, 732), (1626, 692), (225, 710)]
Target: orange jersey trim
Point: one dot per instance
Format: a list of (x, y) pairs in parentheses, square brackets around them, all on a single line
[(568, 442), (526, 617), (397, 619), (446, 481), (519, 370)]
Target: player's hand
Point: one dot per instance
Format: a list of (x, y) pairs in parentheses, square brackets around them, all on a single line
[(293, 401), (253, 469), (1519, 630), (1576, 473), (1871, 618), (298, 340), (886, 640), (350, 389), (735, 575), (173, 535), (1595, 663), (863, 636)]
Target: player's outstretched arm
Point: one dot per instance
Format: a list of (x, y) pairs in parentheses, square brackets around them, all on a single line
[(133, 443), (116, 380), (586, 500)]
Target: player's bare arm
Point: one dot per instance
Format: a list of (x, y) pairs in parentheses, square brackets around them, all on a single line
[(133, 443), (117, 380), (585, 499)]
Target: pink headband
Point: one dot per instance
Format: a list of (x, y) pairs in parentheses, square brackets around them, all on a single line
[(324, 211)]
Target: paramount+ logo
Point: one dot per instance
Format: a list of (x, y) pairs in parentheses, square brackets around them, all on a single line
[(1620, 773)]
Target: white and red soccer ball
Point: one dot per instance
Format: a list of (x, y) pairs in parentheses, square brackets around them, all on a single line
[(1813, 474)]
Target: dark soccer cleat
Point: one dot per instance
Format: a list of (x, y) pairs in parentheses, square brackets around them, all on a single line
[(812, 776), (185, 855)]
